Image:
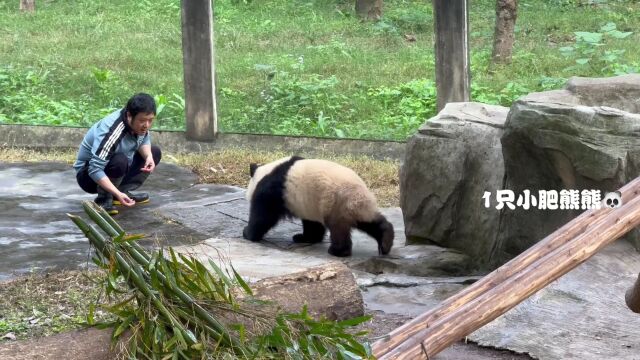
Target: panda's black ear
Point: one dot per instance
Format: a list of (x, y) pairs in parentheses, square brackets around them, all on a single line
[(252, 168)]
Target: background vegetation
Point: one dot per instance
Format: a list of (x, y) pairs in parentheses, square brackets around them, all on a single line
[(302, 67)]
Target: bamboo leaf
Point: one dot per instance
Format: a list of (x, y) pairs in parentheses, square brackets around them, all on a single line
[(129, 238), (90, 315), (123, 326), (355, 321), (221, 274), (241, 281)]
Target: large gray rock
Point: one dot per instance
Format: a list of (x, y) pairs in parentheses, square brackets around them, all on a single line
[(566, 140), (450, 163)]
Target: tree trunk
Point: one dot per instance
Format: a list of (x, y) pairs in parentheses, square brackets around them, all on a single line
[(632, 297), (28, 5), (503, 37), (328, 290), (369, 9)]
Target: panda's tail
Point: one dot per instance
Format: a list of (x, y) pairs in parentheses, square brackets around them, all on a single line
[(381, 230)]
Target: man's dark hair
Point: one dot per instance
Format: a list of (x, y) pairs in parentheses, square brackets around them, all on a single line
[(141, 103)]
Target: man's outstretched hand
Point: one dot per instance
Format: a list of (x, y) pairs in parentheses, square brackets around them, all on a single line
[(125, 200)]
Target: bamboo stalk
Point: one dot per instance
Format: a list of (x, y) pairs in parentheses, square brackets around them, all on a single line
[(185, 298), (135, 274), (495, 302), (549, 244), (632, 296), (142, 259)]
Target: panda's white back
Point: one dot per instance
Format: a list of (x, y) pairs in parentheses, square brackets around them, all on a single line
[(316, 188)]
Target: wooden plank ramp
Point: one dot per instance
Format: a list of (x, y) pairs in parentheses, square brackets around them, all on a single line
[(515, 281)]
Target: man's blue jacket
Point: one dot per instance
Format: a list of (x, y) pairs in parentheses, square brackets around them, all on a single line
[(106, 137)]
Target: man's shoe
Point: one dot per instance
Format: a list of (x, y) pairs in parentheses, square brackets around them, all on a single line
[(139, 198), (105, 203)]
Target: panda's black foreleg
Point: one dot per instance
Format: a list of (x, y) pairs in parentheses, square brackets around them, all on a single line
[(340, 238), (312, 232), (381, 230), (261, 220)]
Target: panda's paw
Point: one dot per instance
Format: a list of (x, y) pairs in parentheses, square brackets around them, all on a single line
[(247, 235), (340, 252), (300, 239)]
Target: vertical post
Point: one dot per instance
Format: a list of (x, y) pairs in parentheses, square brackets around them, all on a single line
[(199, 70), (451, 23), (28, 6)]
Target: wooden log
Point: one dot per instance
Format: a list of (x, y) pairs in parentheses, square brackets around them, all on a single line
[(549, 244), (328, 290), (495, 302), (632, 297)]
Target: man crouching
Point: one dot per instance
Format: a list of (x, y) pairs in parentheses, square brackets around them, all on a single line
[(116, 155)]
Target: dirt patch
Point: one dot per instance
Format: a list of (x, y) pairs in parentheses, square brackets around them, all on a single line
[(48, 303)]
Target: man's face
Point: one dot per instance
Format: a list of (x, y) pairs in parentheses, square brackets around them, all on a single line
[(141, 123)]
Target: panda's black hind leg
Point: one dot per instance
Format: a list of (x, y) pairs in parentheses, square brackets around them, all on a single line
[(340, 238), (312, 232)]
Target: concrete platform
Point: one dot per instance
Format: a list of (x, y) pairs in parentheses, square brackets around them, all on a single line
[(36, 234)]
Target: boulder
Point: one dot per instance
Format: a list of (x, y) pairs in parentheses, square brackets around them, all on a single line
[(582, 137), (449, 165), (568, 139)]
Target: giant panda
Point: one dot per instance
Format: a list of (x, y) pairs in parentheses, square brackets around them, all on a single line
[(323, 194)]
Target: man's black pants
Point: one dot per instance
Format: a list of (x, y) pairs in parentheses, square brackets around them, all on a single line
[(118, 167)]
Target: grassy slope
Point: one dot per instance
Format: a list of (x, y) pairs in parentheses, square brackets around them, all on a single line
[(140, 44)]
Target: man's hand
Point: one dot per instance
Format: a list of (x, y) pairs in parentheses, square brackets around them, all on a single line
[(149, 165), (125, 200)]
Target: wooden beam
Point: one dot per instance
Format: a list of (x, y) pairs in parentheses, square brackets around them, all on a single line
[(550, 243), (199, 70), (632, 297), (513, 282), (452, 51)]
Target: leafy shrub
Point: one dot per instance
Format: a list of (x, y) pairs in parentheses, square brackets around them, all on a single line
[(26, 100)]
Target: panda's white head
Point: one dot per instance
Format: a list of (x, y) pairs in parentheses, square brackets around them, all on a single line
[(258, 172)]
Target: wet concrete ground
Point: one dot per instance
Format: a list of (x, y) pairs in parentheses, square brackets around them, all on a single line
[(36, 234)]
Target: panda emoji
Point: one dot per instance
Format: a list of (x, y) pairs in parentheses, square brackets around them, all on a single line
[(612, 199)]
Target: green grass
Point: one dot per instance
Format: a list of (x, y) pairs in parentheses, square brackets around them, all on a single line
[(288, 67)]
